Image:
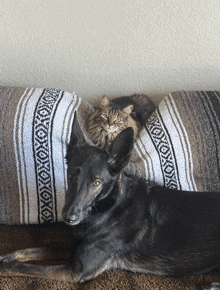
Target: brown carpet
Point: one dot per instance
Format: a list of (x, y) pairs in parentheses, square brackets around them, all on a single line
[(18, 237)]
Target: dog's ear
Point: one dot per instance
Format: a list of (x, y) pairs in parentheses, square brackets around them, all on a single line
[(120, 149), (77, 138)]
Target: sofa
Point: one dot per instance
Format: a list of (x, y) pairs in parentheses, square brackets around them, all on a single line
[(173, 150)]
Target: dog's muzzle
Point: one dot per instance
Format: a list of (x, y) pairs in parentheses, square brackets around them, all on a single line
[(76, 217)]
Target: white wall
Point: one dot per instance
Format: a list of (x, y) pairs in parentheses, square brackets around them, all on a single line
[(110, 46)]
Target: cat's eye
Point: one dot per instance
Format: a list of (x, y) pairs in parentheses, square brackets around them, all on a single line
[(118, 120), (97, 182), (105, 116)]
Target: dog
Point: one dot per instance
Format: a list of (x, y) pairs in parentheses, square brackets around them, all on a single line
[(121, 222)]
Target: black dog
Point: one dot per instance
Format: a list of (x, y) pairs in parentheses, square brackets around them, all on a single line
[(122, 223)]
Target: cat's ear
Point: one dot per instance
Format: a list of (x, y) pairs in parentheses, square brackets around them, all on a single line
[(120, 150), (127, 110), (104, 102), (77, 138)]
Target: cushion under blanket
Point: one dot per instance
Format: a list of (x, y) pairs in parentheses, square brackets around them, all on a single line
[(35, 127), (179, 147)]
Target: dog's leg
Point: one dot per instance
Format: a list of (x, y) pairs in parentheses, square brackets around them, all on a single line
[(37, 254), (86, 264), (56, 272), (91, 261), (12, 264)]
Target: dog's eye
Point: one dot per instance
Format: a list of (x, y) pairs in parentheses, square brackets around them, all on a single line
[(71, 176), (97, 182), (74, 173)]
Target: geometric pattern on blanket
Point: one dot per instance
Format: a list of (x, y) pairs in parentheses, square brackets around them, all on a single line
[(35, 126), (179, 147), (180, 144), (163, 145)]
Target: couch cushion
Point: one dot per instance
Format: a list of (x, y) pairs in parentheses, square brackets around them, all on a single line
[(35, 126), (179, 147), (180, 144)]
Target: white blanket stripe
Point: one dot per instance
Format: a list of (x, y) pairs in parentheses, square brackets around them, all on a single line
[(186, 148), (65, 138), (178, 135)]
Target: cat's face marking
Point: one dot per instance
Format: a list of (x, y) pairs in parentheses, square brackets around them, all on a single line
[(112, 121)]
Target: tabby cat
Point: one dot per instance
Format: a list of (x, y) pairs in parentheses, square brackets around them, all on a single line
[(116, 115)]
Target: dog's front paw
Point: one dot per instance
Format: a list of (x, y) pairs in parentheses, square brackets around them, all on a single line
[(7, 258), (6, 266), (5, 263), (212, 286)]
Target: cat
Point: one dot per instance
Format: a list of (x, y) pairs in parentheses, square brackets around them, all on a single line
[(111, 117)]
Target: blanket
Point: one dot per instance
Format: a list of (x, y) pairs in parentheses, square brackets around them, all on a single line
[(35, 126), (179, 147)]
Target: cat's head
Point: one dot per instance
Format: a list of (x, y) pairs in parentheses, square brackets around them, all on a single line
[(108, 121), (112, 115)]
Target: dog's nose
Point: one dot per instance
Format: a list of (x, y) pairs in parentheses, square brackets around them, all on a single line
[(71, 216), (72, 220), (74, 217)]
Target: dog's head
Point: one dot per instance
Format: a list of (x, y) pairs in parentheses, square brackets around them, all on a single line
[(92, 172)]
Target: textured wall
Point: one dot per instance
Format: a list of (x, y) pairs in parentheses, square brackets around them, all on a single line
[(110, 46)]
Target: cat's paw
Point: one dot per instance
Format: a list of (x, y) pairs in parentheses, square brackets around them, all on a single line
[(212, 286)]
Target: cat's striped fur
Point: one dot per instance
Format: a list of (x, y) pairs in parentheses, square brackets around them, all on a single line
[(114, 116)]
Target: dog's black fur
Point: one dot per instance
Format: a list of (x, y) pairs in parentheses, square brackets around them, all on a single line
[(123, 223)]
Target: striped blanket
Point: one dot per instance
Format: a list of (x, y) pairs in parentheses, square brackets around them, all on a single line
[(180, 144), (35, 126), (179, 147)]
